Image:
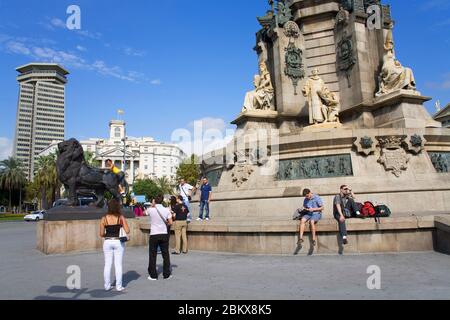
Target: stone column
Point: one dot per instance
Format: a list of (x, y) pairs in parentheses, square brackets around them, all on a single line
[(132, 171)]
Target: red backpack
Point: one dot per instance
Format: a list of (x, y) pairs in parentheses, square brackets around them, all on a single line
[(368, 210)]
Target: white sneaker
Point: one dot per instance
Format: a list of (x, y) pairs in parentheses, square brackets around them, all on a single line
[(170, 277), (207, 219), (121, 289), (151, 279), (358, 213), (199, 219)]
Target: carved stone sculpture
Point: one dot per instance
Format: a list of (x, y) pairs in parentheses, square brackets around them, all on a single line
[(365, 145), (262, 97), (331, 101), (393, 156), (393, 75), (80, 179), (323, 104)]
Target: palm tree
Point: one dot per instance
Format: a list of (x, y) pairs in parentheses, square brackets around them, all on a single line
[(89, 157), (12, 177), (46, 178), (164, 185)]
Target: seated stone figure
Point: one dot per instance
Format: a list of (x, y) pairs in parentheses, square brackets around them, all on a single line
[(332, 103), (262, 97), (393, 75)]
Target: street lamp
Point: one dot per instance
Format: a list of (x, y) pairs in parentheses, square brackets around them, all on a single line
[(124, 166)]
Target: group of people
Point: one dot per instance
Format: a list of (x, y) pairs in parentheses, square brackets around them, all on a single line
[(187, 191), (162, 219), (344, 206)]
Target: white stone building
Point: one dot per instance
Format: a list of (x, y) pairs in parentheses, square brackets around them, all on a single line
[(145, 157)]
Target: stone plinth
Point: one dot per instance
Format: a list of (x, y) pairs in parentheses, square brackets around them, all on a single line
[(80, 213), (256, 119), (399, 109), (323, 127), (61, 237)]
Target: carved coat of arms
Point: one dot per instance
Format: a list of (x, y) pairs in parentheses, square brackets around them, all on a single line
[(393, 156)]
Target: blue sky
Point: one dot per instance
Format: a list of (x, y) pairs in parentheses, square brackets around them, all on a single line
[(168, 63)]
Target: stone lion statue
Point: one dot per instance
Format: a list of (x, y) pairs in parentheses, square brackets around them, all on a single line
[(80, 179)]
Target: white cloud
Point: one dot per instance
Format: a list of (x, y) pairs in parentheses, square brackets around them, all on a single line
[(69, 59), (17, 47), (134, 52), (209, 123), (58, 23), (81, 48), (89, 34), (203, 136), (443, 85), (5, 148), (156, 82)]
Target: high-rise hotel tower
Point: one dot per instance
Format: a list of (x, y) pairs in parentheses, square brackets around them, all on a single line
[(40, 111)]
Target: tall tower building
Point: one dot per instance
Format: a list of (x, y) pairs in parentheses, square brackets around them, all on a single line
[(40, 111)]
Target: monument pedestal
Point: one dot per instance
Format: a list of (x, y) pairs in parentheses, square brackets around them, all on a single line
[(80, 213), (256, 119), (399, 109)]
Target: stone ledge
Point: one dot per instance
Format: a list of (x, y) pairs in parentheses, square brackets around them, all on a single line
[(325, 225)]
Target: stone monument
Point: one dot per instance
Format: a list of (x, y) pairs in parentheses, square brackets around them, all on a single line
[(79, 180), (332, 105)]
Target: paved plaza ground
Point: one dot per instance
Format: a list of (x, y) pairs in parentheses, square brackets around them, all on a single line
[(28, 274)]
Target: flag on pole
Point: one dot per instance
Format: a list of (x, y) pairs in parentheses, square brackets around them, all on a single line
[(120, 112)]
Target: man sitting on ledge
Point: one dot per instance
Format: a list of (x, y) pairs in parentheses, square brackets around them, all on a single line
[(313, 207), (344, 207)]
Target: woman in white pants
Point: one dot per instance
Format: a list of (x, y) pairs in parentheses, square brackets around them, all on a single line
[(113, 248)]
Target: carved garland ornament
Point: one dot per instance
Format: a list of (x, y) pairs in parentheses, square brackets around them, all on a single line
[(294, 68)]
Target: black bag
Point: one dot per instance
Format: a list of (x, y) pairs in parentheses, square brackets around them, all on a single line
[(382, 211), (299, 214)]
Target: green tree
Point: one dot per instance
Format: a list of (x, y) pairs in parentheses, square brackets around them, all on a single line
[(89, 157), (165, 186), (147, 188), (189, 170), (46, 179), (12, 178)]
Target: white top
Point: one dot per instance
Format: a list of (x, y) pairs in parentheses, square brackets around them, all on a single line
[(157, 224), (185, 190)]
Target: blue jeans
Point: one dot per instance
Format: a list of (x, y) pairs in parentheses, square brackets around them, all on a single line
[(204, 204), (188, 205)]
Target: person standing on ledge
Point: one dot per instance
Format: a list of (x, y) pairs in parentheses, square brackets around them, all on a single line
[(113, 248), (313, 206), (205, 199), (186, 191)]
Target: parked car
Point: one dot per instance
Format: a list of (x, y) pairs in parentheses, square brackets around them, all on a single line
[(35, 216)]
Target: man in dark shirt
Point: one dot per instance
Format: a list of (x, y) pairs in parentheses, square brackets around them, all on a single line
[(205, 199), (181, 214), (344, 207)]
